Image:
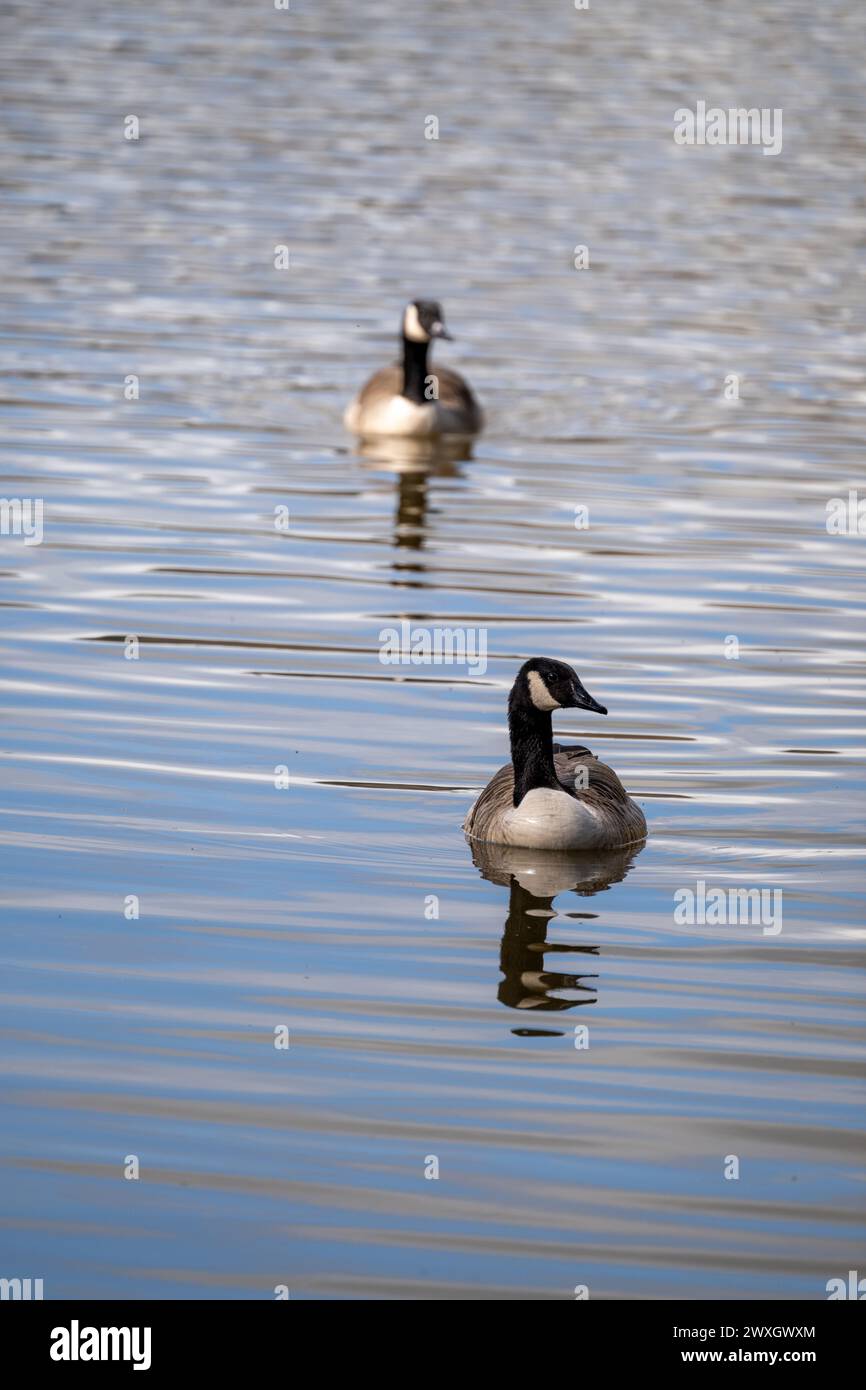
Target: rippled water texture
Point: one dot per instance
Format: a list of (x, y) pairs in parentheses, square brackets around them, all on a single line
[(583, 1066)]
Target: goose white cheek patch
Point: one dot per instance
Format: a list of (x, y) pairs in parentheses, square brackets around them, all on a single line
[(412, 326), (541, 696)]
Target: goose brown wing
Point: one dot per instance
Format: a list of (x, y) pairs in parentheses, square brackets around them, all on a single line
[(603, 790), (382, 385), (455, 394), (600, 779), (494, 800), (568, 763)]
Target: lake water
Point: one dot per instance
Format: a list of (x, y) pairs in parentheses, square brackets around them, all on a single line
[(587, 1071)]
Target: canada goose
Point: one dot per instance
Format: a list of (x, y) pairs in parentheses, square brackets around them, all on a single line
[(549, 797), (408, 397)]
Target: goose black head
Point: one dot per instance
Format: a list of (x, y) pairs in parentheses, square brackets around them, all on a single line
[(423, 320), (548, 685)]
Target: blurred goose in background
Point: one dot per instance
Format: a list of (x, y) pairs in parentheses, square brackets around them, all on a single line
[(410, 398), (550, 797)]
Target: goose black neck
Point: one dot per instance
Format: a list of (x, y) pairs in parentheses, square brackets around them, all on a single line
[(531, 734), (414, 370)]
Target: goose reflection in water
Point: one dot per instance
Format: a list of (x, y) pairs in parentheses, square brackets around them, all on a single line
[(534, 878), (415, 462)]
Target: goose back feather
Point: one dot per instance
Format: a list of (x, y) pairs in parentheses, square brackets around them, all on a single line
[(620, 819), (380, 407)]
